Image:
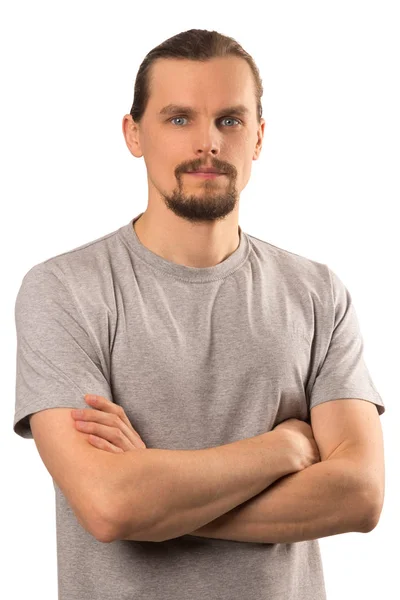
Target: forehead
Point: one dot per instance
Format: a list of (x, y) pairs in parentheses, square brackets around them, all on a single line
[(222, 81)]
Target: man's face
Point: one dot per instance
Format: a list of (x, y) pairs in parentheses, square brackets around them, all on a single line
[(176, 141)]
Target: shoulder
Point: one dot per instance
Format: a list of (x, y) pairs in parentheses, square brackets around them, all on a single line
[(301, 271), (82, 267)]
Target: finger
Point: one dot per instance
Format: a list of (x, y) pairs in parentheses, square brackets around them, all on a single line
[(111, 420), (106, 405), (114, 435), (90, 415), (104, 445)]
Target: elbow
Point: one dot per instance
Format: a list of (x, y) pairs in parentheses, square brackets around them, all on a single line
[(103, 520), (372, 519), (372, 513), (123, 514), (101, 529), (369, 523), (93, 521), (118, 523), (106, 534), (107, 528)]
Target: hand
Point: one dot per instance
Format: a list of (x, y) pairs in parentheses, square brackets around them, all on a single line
[(112, 428), (302, 441)]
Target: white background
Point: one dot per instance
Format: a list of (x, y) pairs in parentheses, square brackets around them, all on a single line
[(326, 187)]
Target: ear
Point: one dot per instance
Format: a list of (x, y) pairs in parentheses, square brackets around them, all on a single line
[(260, 137), (130, 129)]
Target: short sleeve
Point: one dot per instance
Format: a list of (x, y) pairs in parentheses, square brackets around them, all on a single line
[(343, 372), (56, 363)]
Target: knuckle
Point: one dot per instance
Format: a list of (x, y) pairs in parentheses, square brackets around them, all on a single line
[(120, 411)]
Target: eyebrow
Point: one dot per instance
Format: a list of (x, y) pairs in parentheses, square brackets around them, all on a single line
[(238, 109)]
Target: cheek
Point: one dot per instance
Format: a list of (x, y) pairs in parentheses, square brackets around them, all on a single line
[(245, 171), (161, 169), (166, 153)]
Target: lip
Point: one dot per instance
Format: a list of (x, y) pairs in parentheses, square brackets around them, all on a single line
[(206, 174)]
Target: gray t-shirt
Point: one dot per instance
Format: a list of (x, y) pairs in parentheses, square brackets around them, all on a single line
[(197, 357)]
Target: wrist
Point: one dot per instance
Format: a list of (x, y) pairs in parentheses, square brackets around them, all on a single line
[(289, 456)]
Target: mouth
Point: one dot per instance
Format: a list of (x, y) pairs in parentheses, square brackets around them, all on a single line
[(206, 174)]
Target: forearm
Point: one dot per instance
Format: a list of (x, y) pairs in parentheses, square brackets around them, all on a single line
[(322, 500), (165, 494)]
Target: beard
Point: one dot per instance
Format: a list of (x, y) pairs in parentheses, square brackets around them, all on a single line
[(211, 202)]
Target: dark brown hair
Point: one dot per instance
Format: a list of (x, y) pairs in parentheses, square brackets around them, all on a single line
[(194, 44)]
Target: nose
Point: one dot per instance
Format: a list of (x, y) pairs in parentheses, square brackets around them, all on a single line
[(204, 151), (207, 142)]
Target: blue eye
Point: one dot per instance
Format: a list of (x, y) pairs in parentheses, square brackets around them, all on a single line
[(231, 119), (173, 118), (228, 118)]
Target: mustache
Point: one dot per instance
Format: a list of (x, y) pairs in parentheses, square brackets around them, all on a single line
[(220, 167)]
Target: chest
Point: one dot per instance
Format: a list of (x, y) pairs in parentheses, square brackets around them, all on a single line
[(210, 369)]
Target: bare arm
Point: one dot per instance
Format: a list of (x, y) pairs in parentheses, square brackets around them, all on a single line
[(167, 493), (324, 499)]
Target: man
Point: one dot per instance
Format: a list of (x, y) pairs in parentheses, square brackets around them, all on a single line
[(197, 339)]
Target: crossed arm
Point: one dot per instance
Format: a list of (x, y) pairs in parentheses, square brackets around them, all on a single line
[(342, 493), (325, 499)]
